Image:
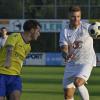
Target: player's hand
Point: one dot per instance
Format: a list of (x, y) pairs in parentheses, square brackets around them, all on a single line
[(71, 57), (65, 60), (77, 44), (64, 55), (68, 58)]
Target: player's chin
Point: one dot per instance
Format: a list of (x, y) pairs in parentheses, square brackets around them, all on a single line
[(35, 38)]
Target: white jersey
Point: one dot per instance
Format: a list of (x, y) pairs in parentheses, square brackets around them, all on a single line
[(85, 53), (2, 41)]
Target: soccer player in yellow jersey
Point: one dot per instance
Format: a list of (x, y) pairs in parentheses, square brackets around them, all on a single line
[(12, 56)]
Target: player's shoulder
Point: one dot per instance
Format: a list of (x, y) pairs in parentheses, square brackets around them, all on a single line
[(65, 27), (14, 37), (15, 34), (85, 24)]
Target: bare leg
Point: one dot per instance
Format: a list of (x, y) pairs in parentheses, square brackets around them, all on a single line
[(79, 83), (2, 98), (69, 93), (15, 95)]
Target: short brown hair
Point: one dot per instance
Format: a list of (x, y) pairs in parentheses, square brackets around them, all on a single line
[(31, 24), (74, 9)]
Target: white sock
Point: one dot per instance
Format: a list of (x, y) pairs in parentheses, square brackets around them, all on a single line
[(70, 99), (83, 92)]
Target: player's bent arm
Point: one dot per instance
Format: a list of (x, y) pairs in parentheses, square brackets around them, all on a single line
[(8, 56), (64, 50)]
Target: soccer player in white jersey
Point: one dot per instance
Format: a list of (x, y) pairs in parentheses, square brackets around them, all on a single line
[(77, 49)]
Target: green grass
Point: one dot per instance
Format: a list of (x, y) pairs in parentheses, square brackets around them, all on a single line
[(45, 83)]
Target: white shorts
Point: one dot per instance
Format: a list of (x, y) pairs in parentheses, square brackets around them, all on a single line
[(75, 70)]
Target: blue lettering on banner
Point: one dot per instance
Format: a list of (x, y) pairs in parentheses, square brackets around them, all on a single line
[(34, 56), (51, 26), (53, 59)]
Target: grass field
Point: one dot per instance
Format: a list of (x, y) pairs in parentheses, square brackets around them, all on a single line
[(45, 83)]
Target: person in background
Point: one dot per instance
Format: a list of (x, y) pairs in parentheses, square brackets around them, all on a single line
[(3, 36)]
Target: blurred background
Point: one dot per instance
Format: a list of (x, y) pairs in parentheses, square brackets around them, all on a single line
[(47, 9), (43, 71), (20, 10)]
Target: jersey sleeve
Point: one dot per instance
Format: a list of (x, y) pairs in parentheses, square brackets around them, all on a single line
[(63, 40), (28, 51), (85, 27), (12, 40)]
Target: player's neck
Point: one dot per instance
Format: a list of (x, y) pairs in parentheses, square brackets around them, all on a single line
[(71, 26), (25, 37)]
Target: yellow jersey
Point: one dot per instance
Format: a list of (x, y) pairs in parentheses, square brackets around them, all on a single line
[(19, 53)]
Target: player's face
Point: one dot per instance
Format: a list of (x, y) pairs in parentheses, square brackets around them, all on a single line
[(75, 18), (4, 31), (35, 33)]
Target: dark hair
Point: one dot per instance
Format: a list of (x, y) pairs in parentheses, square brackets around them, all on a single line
[(29, 24), (3, 28), (74, 9)]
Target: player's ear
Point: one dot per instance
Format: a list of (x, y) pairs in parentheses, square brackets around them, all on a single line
[(32, 30)]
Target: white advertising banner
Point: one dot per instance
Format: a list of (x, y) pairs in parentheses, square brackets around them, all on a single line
[(16, 25), (48, 25), (49, 59), (35, 59)]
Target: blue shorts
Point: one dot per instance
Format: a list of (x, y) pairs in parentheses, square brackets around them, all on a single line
[(9, 83)]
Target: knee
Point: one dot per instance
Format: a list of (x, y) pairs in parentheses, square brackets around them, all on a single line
[(79, 81)]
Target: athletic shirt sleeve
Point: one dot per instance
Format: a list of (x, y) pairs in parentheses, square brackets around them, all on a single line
[(63, 37), (12, 39), (85, 27)]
